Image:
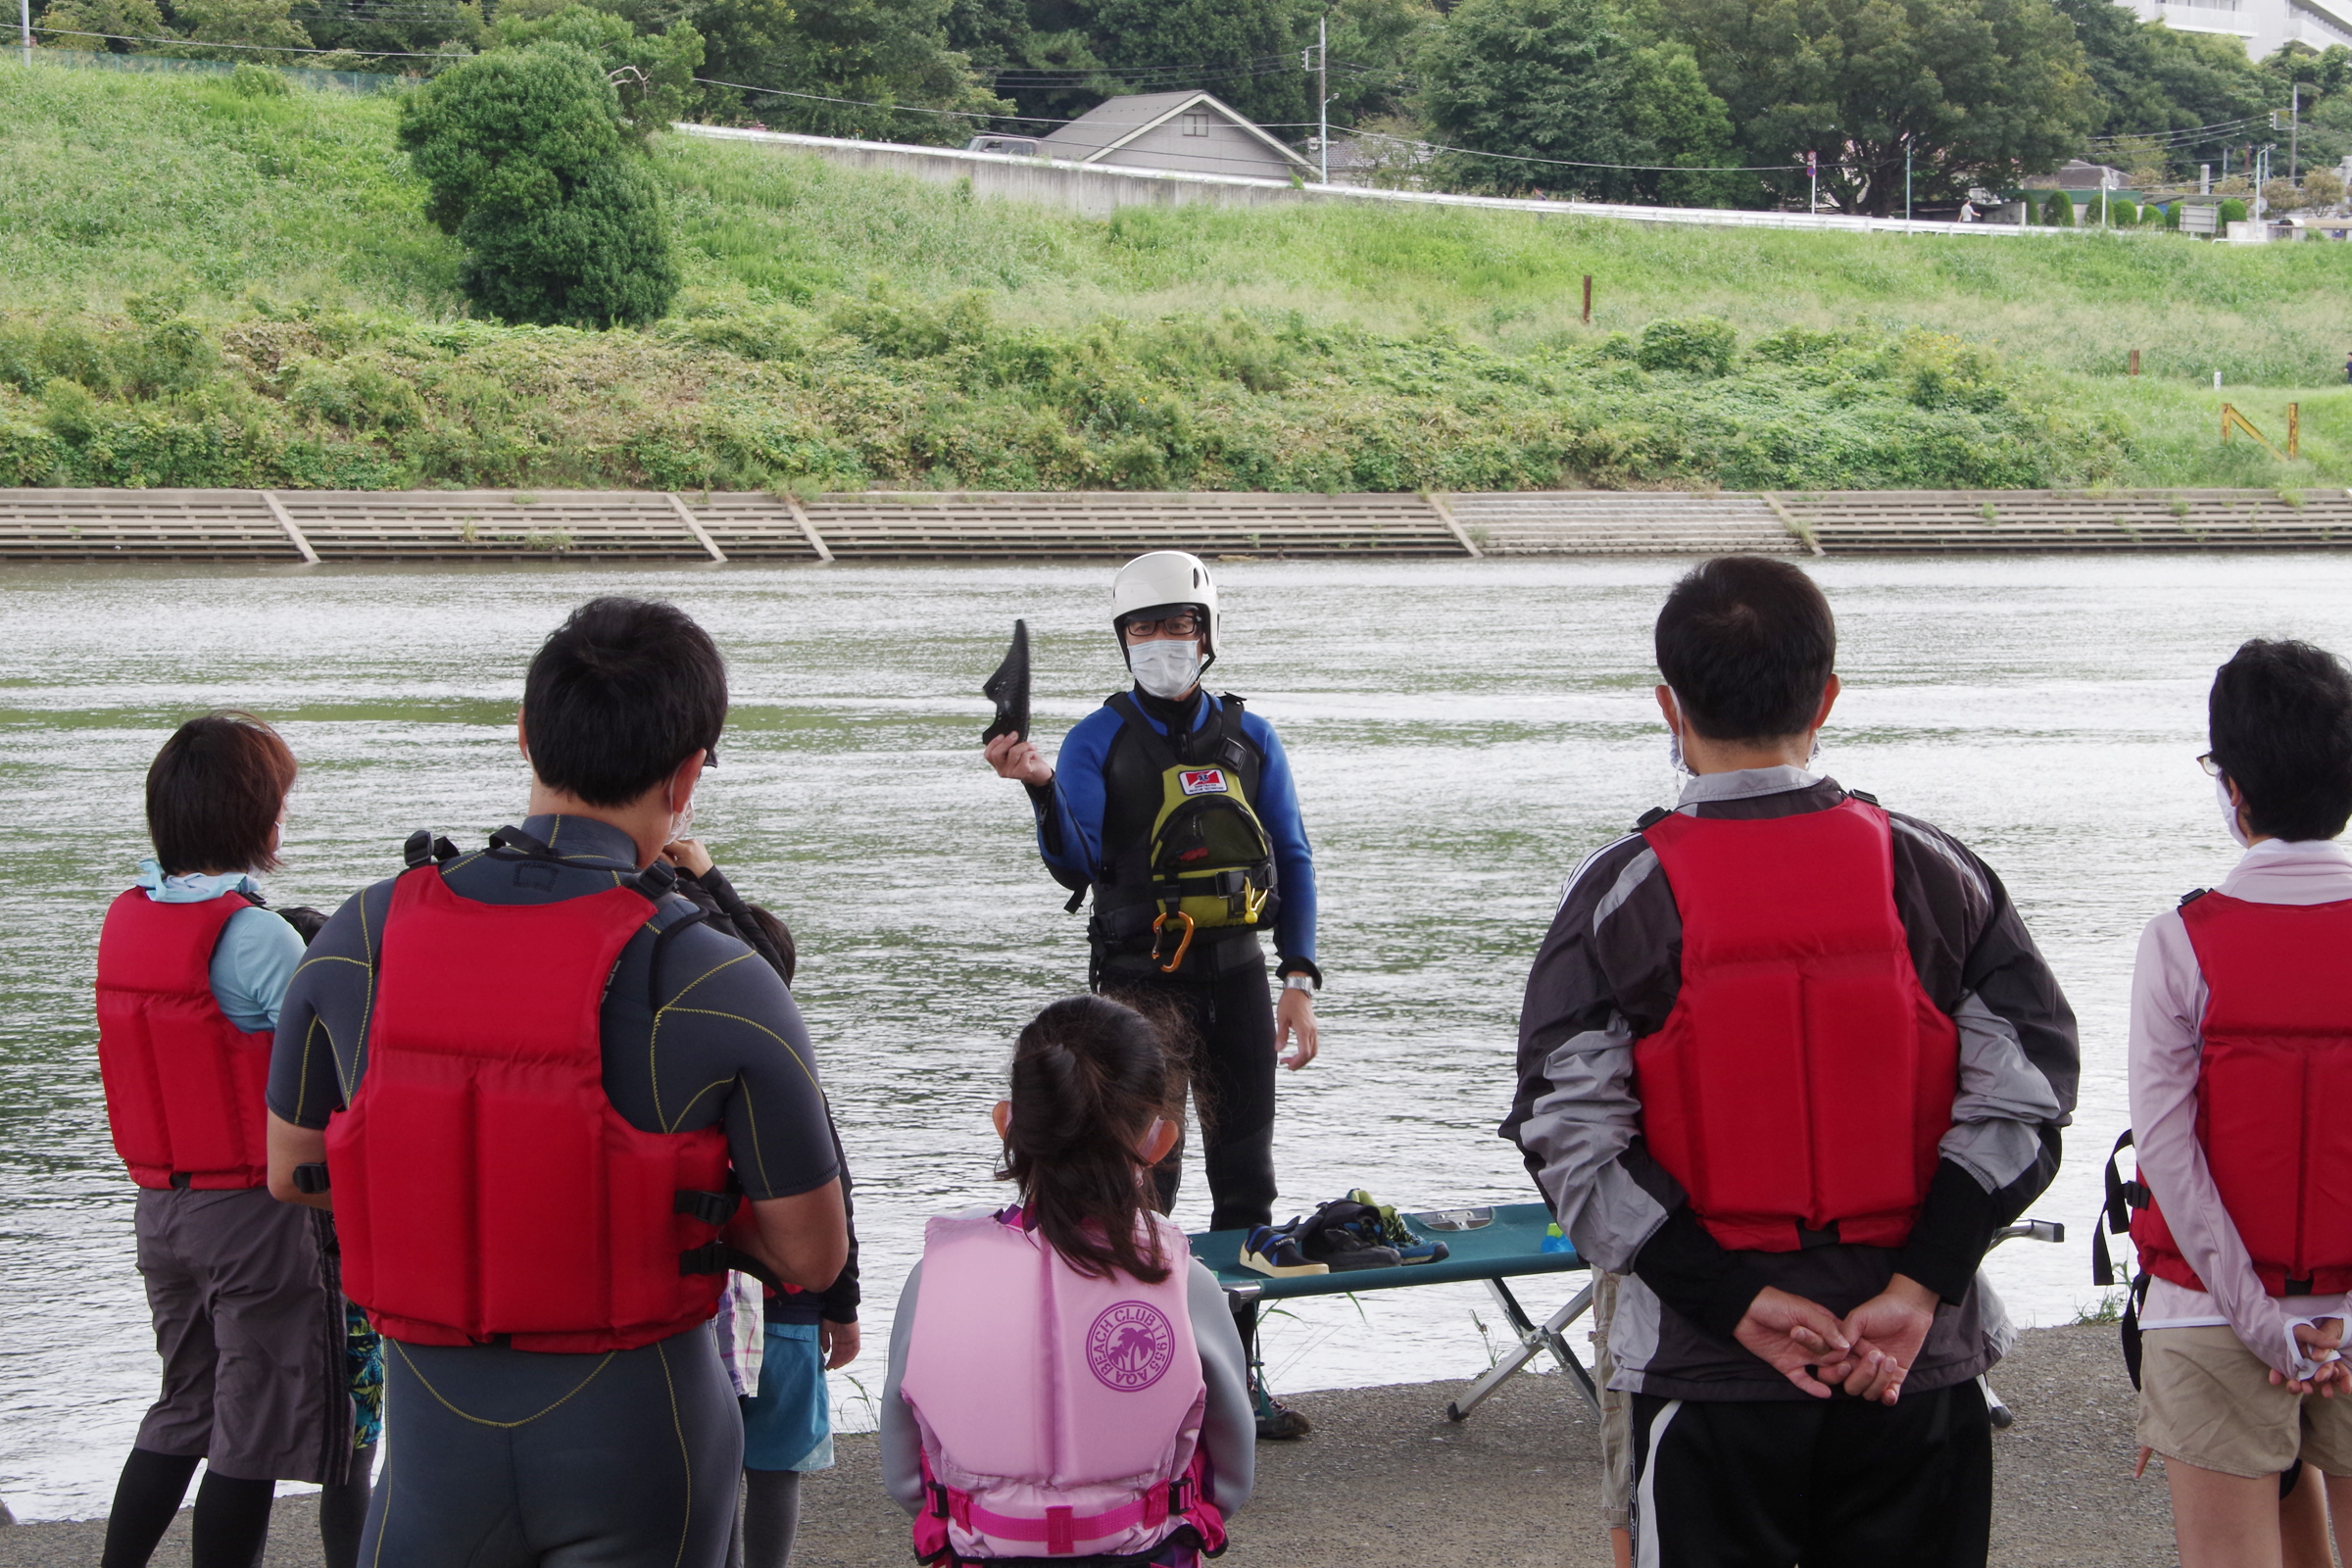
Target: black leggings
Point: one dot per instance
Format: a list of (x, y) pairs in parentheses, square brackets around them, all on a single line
[(1231, 1016), (232, 1514)]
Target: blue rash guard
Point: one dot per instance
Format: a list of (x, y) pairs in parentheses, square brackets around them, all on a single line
[(1070, 812)]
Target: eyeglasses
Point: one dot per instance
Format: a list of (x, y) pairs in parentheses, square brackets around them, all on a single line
[(2213, 769), (1184, 624)]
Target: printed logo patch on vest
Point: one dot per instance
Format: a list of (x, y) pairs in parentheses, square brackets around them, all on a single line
[(1203, 781), (1130, 1346)]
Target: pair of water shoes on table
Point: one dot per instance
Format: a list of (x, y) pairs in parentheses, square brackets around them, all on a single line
[(1348, 1234)]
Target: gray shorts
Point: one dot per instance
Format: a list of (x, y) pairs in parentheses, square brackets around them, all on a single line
[(252, 1338)]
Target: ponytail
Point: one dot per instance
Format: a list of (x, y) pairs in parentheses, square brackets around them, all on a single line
[(1088, 1077)]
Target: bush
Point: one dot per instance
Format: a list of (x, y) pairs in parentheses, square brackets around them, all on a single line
[(257, 81), (528, 165), (2323, 188), (2126, 214), (2172, 216), (2058, 210), (2280, 195), (1699, 344), (2232, 211)]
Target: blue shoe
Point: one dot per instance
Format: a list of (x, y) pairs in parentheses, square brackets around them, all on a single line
[(1276, 1254)]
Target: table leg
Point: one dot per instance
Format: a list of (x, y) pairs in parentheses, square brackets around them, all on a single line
[(1245, 1320), (1534, 1341)]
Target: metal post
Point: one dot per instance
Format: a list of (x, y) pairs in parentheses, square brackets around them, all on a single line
[(1813, 171), (25, 24), (1323, 91), (2294, 136), (1906, 182)]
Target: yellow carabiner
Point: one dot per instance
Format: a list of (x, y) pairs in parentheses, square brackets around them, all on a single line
[(1253, 900), (1183, 945)]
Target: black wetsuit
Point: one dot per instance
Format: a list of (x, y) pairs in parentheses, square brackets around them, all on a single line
[(510, 1457)]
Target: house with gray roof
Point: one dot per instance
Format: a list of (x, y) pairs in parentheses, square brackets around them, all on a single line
[(1188, 133)]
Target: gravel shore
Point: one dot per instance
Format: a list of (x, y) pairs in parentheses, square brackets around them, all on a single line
[(1387, 1481)]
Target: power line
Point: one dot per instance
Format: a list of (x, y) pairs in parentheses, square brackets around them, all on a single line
[(861, 103), (262, 48)]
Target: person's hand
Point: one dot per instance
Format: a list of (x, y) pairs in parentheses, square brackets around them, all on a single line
[(1796, 1339), (2320, 1341), (837, 1342), (1886, 1332), (1015, 758), (687, 854), (1294, 1021)]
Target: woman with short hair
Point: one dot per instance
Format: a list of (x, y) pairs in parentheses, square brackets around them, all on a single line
[(191, 969)]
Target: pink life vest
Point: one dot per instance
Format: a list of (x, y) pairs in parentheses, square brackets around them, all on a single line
[(1060, 1415)]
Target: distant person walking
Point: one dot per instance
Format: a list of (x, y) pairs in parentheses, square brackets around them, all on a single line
[(2240, 1052), (1786, 1061), (192, 970), (543, 1156)]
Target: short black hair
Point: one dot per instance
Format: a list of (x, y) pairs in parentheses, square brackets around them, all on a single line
[(214, 793), (2280, 717), (1748, 643), (618, 696)]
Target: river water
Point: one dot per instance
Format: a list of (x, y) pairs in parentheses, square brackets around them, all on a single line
[(1463, 733)]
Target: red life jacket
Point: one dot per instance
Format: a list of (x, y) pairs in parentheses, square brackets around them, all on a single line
[(183, 1085), (484, 1185), (1803, 1080), (2277, 1066)]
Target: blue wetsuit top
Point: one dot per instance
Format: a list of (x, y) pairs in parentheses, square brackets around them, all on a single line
[(1070, 812)]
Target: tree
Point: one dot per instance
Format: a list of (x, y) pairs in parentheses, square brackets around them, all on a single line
[(652, 74), (526, 160), (85, 24), (2150, 80), (1035, 53), (888, 60), (1374, 45), (2058, 210), (1247, 52), (1975, 91), (1569, 101), (392, 28)]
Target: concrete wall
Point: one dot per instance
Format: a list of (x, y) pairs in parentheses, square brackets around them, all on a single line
[(1097, 191)]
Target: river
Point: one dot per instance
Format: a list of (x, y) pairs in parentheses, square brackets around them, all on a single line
[(1463, 734)]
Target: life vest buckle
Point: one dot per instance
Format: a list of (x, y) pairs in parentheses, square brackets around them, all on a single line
[(1253, 903), (1183, 944), (939, 1498)]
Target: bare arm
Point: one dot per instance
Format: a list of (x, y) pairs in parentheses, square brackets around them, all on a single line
[(803, 1237), (291, 1146)]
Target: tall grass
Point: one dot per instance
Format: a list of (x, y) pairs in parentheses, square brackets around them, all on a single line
[(199, 288)]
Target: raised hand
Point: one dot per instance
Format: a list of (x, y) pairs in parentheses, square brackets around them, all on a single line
[(1886, 1332), (1797, 1338), (1015, 758)]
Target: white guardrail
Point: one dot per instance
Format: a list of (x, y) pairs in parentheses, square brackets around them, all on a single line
[(937, 160)]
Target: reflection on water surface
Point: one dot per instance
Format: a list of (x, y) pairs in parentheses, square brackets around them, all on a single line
[(1463, 734)]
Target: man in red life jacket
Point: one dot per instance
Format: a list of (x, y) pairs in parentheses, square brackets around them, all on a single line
[(537, 1088), (1786, 1061), (2240, 1062)]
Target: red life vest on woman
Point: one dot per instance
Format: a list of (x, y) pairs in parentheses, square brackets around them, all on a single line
[(1801, 1084), (2277, 1067), (484, 1185), (183, 1085)]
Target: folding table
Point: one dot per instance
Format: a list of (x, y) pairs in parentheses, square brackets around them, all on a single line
[(1494, 1244)]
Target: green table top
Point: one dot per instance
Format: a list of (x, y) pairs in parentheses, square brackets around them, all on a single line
[(1509, 1243)]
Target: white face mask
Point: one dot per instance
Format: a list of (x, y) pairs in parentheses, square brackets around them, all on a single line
[(1166, 667), (681, 823), (2220, 790), (1674, 737)]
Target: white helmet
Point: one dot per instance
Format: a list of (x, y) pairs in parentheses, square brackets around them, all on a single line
[(1163, 580)]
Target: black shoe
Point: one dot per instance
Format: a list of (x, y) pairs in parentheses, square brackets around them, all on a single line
[(1277, 1422), (1346, 1236)]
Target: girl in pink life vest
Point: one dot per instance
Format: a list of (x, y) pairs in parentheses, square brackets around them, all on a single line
[(1065, 1383)]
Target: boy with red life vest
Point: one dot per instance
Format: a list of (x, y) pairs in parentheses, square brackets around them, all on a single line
[(2240, 1061), (1065, 1382), (549, 1106), (191, 973), (1787, 1060)]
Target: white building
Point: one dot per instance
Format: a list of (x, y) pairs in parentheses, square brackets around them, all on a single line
[(2263, 26)]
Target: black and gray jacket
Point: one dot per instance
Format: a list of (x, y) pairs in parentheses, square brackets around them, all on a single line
[(1607, 975)]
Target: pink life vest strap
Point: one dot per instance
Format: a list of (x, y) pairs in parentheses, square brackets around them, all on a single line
[(1060, 1529)]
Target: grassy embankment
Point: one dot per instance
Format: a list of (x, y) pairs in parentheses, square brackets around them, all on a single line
[(199, 288)]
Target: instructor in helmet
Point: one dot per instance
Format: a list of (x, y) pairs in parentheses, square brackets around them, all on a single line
[(1177, 808)]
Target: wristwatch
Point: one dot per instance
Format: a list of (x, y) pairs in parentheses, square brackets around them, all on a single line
[(1295, 981)]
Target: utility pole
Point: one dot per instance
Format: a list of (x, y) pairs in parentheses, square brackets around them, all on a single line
[(25, 26), (1323, 91), (1813, 173), (2294, 142)]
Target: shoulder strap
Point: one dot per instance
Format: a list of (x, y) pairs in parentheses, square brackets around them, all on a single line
[(422, 846), (1651, 818), (2115, 1214), (2192, 896), (1155, 745), (1865, 796)]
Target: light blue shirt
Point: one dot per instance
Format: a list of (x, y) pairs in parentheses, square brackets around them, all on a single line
[(256, 954)]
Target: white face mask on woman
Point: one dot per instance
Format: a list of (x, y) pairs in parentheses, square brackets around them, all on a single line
[(1165, 666)]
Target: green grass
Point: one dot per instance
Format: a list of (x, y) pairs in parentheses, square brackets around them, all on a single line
[(198, 287)]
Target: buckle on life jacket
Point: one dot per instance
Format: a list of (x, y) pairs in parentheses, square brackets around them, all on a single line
[(939, 1497), (711, 1208), (1183, 945)]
